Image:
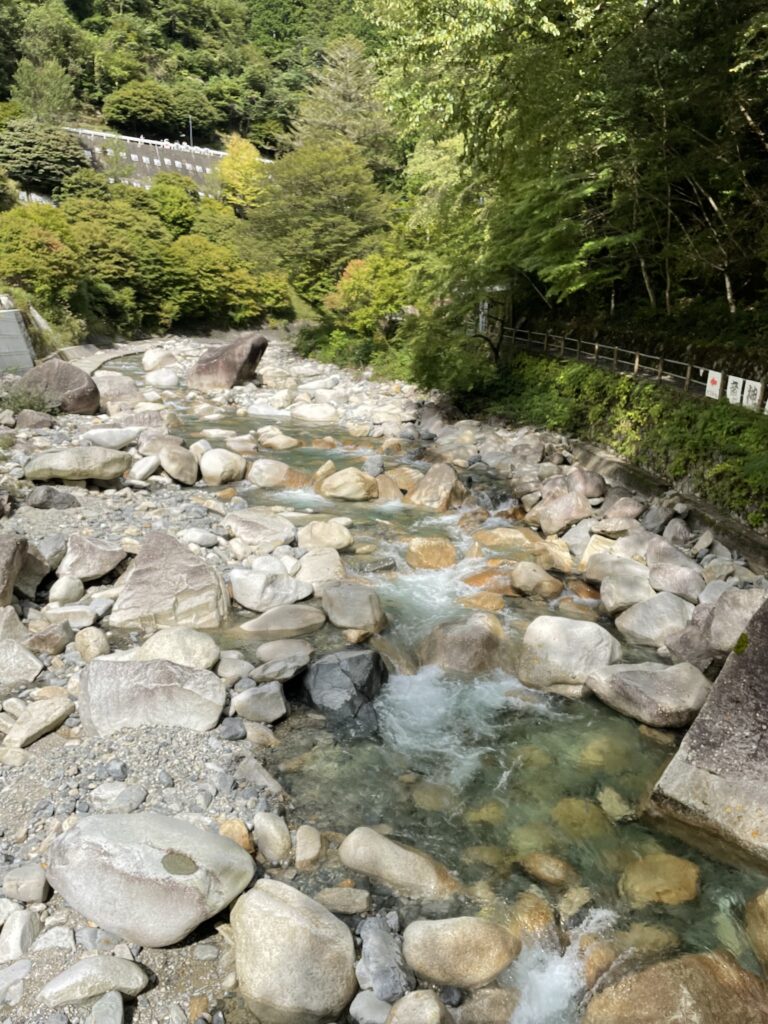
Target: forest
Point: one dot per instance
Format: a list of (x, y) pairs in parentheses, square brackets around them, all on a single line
[(600, 169)]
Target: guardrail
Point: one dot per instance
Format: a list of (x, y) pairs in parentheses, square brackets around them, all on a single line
[(696, 380)]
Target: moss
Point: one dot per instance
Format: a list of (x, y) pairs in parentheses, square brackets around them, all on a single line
[(741, 644)]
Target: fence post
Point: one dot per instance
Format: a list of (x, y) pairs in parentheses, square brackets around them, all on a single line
[(615, 358), (637, 364), (597, 352), (546, 341), (578, 348), (660, 374), (688, 375), (562, 345)]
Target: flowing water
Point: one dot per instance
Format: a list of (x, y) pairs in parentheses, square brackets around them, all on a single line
[(480, 772)]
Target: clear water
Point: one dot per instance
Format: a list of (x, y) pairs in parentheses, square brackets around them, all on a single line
[(476, 772)]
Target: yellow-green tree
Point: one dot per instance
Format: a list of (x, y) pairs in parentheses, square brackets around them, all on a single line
[(242, 173)]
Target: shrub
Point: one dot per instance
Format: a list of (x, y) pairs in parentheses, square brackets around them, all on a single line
[(39, 157)]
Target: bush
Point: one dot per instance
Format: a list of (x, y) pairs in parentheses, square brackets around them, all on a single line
[(17, 397), (39, 157), (143, 107)]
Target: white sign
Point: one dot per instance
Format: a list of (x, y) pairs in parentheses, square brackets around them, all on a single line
[(753, 392), (734, 389), (714, 384)]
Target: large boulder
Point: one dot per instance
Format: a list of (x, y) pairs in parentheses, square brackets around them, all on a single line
[(713, 791), (662, 696), (13, 548), (286, 621), (660, 878), (699, 988), (343, 686), (407, 871), (168, 585), (228, 365), (651, 621), (430, 553), (353, 606), (465, 952), (439, 489), (560, 654), (17, 666), (221, 466), (91, 977), (149, 878), (273, 473), (65, 386), (627, 586), (124, 695), (467, 648), (179, 463), (350, 484), (89, 559), (261, 531), (733, 612), (179, 644), (259, 591), (329, 534), (86, 463), (295, 960), (555, 514)]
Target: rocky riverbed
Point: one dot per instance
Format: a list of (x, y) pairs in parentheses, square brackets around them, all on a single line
[(318, 706)]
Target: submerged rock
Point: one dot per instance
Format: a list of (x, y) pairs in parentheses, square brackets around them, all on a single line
[(466, 952), (468, 648), (407, 871), (147, 877), (660, 878)]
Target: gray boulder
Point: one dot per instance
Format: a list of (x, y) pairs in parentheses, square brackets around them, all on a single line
[(168, 585), (260, 591), (224, 367), (733, 611), (651, 621), (123, 695), (17, 666), (295, 960), (409, 872), (13, 548), (467, 648), (353, 606), (677, 579), (91, 463), (286, 621), (560, 654), (382, 967), (45, 496), (64, 385), (261, 531), (149, 878), (88, 559), (662, 696), (344, 685)]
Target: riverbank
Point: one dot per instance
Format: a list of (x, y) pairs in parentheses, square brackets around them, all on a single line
[(275, 629)]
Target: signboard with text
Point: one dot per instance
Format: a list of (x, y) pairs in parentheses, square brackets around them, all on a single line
[(753, 393), (734, 389), (714, 384)]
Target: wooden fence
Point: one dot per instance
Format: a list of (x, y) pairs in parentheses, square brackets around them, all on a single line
[(696, 380)]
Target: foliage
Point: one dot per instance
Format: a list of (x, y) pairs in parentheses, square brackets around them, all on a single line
[(85, 182), (44, 91), (16, 397), (174, 199), (8, 195), (143, 106), (342, 104), (39, 157), (36, 253), (319, 208), (242, 173)]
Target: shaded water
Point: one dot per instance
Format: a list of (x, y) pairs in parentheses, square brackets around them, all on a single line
[(480, 772)]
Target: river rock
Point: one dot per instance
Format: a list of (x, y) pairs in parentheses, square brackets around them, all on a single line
[(259, 591), (466, 952), (320, 566), (272, 837), (86, 463), (469, 647), (179, 463), (112, 437), (20, 930), (733, 611), (560, 654), (422, 1007), (555, 514), (430, 553), (366, 1008), (179, 644), (261, 531), (295, 960), (353, 606), (660, 878), (224, 367), (530, 578), (344, 685), (45, 496), (756, 923), (350, 484), (162, 377), (676, 579), (662, 696), (439, 489), (221, 466), (94, 976), (89, 559), (38, 719), (265, 703), (13, 548), (381, 967), (124, 695), (626, 587), (314, 412), (64, 385), (286, 621), (653, 620), (147, 877), (699, 988), (270, 473), (168, 585), (324, 535), (407, 871)]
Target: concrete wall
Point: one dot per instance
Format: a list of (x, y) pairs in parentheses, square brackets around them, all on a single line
[(140, 159), (15, 347)]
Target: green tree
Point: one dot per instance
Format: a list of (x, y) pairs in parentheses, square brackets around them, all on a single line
[(8, 197), (242, 173), (36, 253), (146, 107), (319, 210), (85, 182), (174, 199), (342, 104), (52, 33), (39, 157), (43, 91), (10, 16)]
